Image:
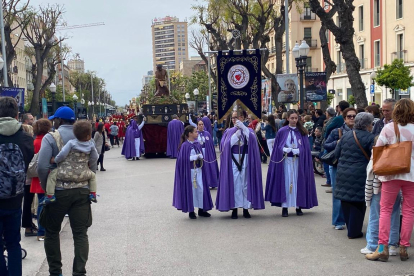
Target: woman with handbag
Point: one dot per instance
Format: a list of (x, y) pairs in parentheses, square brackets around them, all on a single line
[(396, 173), (353, 152), (100, 144), (40, 128)]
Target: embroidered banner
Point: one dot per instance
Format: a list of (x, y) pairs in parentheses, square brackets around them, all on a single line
[(239, 83)]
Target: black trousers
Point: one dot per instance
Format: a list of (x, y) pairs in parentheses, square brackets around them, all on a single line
[(114, 139), (27, 207), (100, 160), (354, 214)]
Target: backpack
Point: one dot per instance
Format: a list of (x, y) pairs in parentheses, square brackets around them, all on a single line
[(12, 171)]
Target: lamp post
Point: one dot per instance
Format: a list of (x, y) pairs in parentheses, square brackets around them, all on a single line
[(196, 92), (75, 98), (372, 90), (91, 105), (301, 54), (52, 88)]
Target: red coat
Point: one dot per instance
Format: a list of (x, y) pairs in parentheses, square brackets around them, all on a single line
[(35, 187)]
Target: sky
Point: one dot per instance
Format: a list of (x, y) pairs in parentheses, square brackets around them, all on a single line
[(120, 52)]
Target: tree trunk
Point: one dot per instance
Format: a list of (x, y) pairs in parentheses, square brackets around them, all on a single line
[(330, 66)]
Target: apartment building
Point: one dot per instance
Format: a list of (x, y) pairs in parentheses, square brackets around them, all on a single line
[(77, 65), (194, 64), (147, 78), (169, 42), (383, 33), (304, 25)]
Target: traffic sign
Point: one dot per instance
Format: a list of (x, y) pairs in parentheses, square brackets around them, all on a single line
[(372, 89)]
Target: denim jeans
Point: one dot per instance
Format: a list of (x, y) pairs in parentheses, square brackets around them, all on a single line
[(337, 213), (41, 229), (10, 221), (326, 168), (373, 224)]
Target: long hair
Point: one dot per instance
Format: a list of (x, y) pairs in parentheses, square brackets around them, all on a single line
[(299, 125), (403, 113), (186, 133), (229, 122), (272, 122)]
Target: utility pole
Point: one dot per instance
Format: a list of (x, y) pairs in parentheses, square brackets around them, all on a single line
[(62, 69), (209, 73), (3, 49), (287, 35), (93, 105)]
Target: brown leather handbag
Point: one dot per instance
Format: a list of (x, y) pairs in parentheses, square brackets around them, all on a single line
[(394, 158)]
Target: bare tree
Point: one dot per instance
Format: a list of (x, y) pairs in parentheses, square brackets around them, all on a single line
[(40, 33), (344, 37)]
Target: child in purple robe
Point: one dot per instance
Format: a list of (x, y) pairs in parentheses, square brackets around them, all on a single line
[(290, 179), (190, 176)]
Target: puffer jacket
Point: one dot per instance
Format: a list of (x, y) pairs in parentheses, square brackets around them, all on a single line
[(333, 138), (352, 165)]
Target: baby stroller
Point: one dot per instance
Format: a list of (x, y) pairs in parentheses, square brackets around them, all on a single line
[(24, 252)]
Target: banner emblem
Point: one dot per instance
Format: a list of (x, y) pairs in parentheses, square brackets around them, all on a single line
[(238, 76)]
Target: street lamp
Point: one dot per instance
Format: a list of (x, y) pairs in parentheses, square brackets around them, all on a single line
[(372, 91), (301, 54), (52, 88), (196, 92), (75, 98)]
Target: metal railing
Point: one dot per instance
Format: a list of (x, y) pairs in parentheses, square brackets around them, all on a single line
[(313, 43), (400, 55), (308, 16)]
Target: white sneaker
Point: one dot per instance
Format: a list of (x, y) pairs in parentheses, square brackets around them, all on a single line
[(339, 227), (393, 250), (365, 251)]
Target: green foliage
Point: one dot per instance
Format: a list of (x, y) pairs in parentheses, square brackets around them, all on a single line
[(395, 76), (329, 98), (351, 100)]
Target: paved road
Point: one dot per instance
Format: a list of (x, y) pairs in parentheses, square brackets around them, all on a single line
[(136, 231)]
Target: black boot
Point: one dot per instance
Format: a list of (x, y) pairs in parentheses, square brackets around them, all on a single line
[(285, 212), (246, 214), (299, 212), (234, 214), (192, 215), (201, 213)]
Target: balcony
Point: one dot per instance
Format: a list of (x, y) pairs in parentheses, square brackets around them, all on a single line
[(400, 55), (363, 62), (313, 43), (308, 16)]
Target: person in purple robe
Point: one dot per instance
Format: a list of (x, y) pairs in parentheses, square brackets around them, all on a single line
[(240, 178), (207, 123), (290, 179), (209, 152), (133, 145), (174, 131), (190, 191)]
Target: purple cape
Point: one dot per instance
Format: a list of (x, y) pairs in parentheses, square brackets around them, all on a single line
[(128, 148), (212, 172), (183, 184), (207, 125), (275, 183), (174, 131), (225, 192)]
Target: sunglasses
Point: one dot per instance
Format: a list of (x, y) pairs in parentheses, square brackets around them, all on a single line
[(351, 116)]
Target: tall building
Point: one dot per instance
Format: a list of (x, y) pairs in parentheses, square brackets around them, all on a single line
[(77, 64), (169, 42), (147, 78), (383, 33), (302, 26)]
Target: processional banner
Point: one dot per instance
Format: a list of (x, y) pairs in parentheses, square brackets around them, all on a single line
[(267, 96), (315, 83), (287, 88), (239, 83)]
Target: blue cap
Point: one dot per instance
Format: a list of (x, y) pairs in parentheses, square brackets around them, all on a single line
[(63, 112)]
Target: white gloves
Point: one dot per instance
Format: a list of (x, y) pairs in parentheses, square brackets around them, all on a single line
[(200, 156), (240, 125), (287, 150), (295, 151), (244, 128)]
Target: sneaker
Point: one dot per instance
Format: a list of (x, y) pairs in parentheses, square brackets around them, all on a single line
[(326, 185), (366, 251), (393, 250), (340, 227), (329, 191)]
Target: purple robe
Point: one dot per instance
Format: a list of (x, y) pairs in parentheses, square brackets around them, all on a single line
[(225, 192), (210, 156), (128, 148), (183, 184), (174, 131), (207, 125), (306, 197)]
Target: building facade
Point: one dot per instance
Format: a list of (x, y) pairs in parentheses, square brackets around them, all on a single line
[(194, 64), (383, 33), (77, 65), (169, 42), (147, 78)]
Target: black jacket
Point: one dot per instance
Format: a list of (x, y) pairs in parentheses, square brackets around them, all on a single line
[(379, 125), (25, 143), (352, 164)]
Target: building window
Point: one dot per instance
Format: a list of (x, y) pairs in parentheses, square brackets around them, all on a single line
[(376, 13), (307, 33), (400, 46), (362, 56), (377, 54), (399, 8), (309, 64), (361, 18), (339, 62), (338, 22)]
